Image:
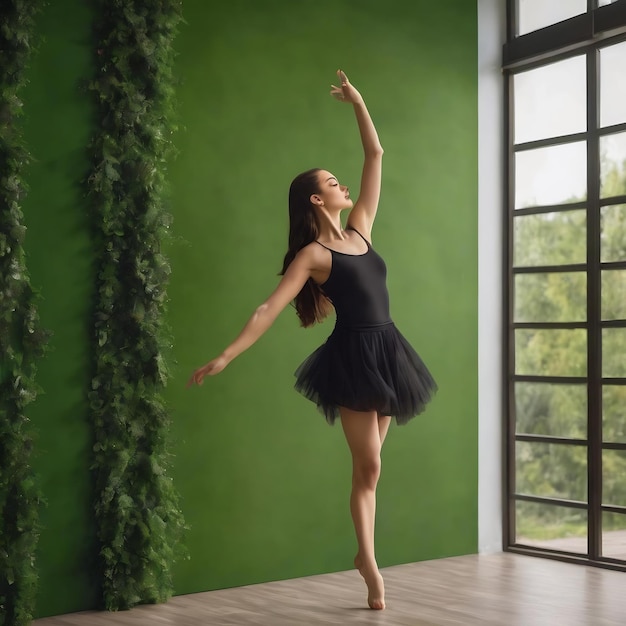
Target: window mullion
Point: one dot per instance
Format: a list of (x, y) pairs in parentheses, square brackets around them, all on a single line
[(509, 338), (594, 338)]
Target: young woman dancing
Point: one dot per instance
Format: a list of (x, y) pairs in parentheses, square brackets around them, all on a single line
[(366, 372)]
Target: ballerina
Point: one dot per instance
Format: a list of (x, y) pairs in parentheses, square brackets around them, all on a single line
[(366, 372)]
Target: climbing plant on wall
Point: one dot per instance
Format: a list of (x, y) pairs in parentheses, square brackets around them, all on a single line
[(21, 339), (137, 512)]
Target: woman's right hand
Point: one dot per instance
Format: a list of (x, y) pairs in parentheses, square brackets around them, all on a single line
[(346, 92), (210, 369)]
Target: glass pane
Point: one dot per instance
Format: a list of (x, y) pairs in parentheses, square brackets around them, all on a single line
[(602, 3), (614, 477), (550, 238), (613, 352), (552, 527), (551, 470), (613, 165), (613, 233), (614, 413), (552, 175), (614, 535), (613, 291), (535, 14), (552, 410), (551, 100), (612, 84), (543, 352), (554, 297)]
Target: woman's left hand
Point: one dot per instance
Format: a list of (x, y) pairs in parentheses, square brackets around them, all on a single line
[(210, 369), (346, 92)]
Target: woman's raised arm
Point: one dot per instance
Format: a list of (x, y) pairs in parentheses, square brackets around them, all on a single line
[(364, 211)]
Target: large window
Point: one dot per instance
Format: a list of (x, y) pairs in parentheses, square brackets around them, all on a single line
[(565, 68)]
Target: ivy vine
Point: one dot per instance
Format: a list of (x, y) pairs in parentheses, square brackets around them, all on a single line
[(21, 339), (138, 518)]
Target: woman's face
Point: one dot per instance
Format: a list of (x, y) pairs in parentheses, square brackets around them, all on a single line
[(333, 194)]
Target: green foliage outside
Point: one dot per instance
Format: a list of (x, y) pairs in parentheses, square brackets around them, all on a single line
[(553, 470), (138, 518), (21, 339)]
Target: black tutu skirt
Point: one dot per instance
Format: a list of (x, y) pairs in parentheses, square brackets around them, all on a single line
[(368, 368)]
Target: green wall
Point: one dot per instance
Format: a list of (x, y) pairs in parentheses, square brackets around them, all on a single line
[(58, 126), (264, 480)]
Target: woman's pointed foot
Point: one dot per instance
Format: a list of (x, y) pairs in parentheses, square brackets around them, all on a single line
[(358, 563), (374, 582)]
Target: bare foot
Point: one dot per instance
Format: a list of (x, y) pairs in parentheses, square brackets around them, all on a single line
[(374, 582)]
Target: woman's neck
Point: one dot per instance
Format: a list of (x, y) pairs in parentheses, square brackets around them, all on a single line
[(330, 226)]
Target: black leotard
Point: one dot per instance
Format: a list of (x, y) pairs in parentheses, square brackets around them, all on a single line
[(366, 364), (357, 287)]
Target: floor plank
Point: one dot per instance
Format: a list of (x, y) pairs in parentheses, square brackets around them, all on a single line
[(500, 590)]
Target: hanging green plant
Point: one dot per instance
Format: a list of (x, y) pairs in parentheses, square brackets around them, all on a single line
[(138, 518), (21, 339)]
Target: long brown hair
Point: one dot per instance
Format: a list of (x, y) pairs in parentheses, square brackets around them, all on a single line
[(311, 303)]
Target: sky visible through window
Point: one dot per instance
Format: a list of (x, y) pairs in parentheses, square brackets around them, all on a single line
[(551, 101), (535, 14)]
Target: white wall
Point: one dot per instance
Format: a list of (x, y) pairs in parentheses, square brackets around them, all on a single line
[(491, 33)]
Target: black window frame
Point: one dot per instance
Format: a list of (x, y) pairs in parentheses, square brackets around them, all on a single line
[(586, 33)]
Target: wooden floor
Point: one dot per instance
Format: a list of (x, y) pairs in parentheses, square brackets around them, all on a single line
[(501, 589)]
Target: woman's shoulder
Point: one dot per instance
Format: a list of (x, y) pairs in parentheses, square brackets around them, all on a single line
[(315, 256), (313, 250)]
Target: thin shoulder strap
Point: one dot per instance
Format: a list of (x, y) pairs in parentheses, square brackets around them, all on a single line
[(359, 234), (323, 246)]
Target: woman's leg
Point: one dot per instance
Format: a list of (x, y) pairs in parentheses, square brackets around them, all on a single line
[(365, 432), (383, 427)]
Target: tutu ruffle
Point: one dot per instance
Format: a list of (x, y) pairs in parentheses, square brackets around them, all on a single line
[(366, 368)]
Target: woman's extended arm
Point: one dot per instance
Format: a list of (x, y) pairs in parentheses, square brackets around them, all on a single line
[(364, 211), (263, 317)]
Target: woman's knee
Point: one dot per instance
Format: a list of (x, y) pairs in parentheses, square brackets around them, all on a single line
[(367, 471)]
